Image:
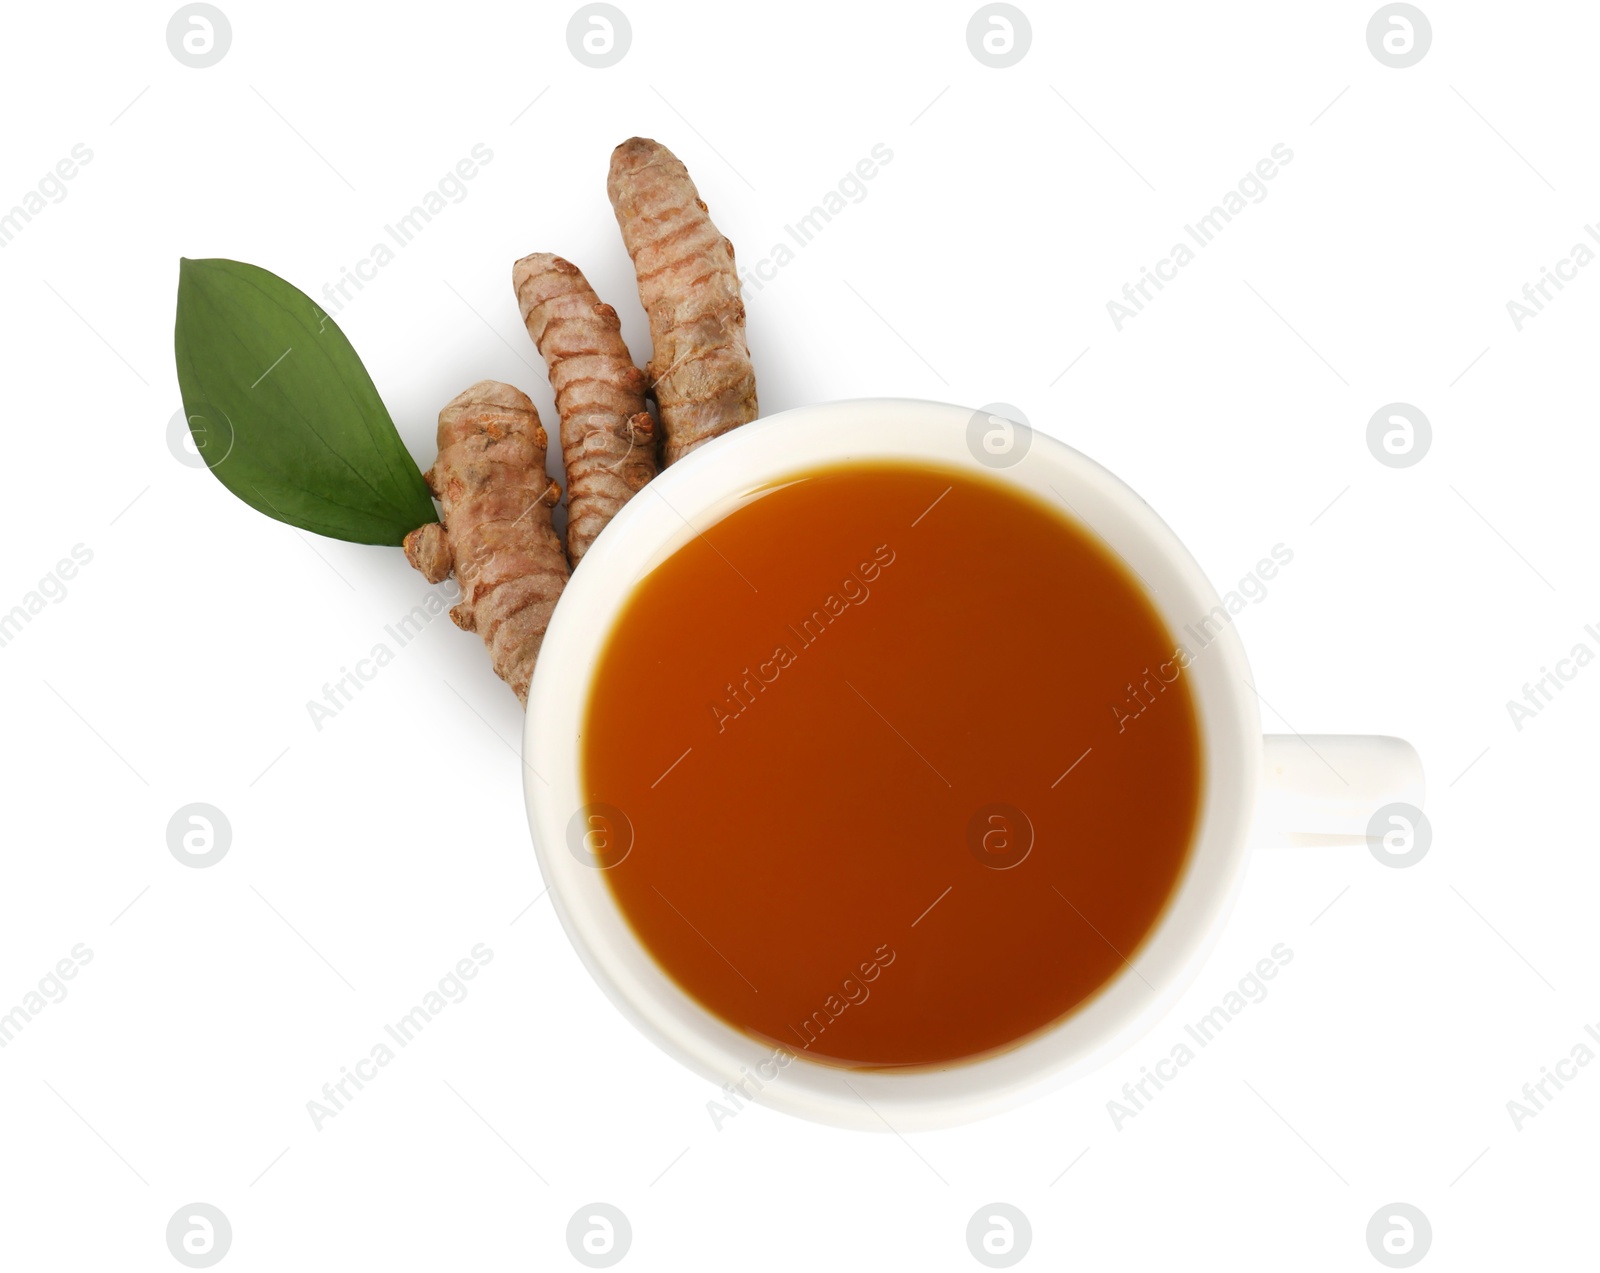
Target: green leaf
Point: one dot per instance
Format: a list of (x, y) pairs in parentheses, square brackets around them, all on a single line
[(284, 413)]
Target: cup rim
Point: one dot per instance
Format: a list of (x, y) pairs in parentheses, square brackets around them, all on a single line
[(703, 488)]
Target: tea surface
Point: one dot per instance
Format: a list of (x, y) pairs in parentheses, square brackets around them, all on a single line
[(902, 763)]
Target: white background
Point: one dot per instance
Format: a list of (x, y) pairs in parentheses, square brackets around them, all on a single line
[(978, 267)]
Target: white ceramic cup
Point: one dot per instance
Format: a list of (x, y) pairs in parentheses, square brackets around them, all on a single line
[(1284, 789)]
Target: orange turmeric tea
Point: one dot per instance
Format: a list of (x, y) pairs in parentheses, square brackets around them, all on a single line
[(902, 762)]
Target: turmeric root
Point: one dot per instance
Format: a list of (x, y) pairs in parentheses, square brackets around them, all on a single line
[(699, 363), (496, 532), (608, 439)]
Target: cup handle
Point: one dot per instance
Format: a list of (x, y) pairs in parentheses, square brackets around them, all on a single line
[(1322, 789)]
